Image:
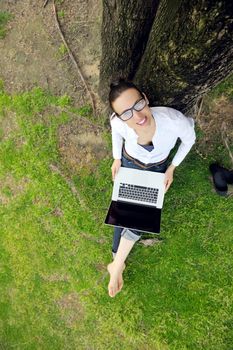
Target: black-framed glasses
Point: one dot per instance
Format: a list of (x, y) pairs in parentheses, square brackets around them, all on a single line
[(128, 113)]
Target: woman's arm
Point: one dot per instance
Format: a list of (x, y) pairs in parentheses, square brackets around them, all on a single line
[(169, 176), (186, 133), (117, 143)]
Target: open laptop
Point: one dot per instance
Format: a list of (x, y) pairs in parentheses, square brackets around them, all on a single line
[(137, 200)]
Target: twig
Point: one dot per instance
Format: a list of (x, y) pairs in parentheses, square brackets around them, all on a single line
[(199, 109), (63, 58), (223, 129), (45, 3), (73, 59)]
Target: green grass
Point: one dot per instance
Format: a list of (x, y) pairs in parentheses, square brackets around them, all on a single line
[(225, 87), (4, 18), (177, 295), (62, 50), (61, 14)]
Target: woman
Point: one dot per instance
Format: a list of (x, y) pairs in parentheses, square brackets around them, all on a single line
[(142, 138)]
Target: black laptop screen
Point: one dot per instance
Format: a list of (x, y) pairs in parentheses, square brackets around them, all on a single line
[(138, 217)]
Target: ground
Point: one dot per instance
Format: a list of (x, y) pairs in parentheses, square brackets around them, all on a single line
[(33, 53)]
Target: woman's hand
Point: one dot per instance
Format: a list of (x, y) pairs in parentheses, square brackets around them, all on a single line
[(115, 167), (169, 177)]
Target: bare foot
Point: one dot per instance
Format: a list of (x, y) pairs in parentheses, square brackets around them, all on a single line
[(116, 280)]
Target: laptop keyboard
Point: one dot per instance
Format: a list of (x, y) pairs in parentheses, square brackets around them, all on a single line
[(139, 193)]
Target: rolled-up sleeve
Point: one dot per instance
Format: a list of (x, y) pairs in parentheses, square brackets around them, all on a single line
[(186, 133)]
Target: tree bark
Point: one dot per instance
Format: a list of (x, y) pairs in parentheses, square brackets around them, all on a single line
[(126, 25), (189, 51)]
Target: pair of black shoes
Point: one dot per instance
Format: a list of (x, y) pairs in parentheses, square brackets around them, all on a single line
[(221, 178)]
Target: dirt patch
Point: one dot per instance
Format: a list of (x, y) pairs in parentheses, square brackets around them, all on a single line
[(56, 277), (100, 267), (8, 125), (32, 54), (216, 123), (81, 145), (57, 212), (81, 23), (71, 309), (10, 188)]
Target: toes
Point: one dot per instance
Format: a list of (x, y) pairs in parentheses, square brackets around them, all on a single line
[(120, 285), (116, 282), (114, 289), (111, 291)]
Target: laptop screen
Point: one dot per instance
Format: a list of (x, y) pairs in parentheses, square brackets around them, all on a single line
[(134, 216)]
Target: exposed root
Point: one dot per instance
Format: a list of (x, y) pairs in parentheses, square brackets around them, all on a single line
[(45, 3), (73, 59)]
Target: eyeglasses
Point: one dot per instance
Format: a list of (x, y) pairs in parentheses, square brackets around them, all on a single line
[(138, 106)]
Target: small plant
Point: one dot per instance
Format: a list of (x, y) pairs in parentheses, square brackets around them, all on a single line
[(59, 2), (1, 85), (4, 18), (61, 14), (85, 111), (64, 101), (62, 50)]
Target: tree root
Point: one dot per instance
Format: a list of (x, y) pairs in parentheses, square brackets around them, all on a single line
[(71, 55)]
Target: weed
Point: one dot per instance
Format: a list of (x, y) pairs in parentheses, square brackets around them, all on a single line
[(4, 18), (62, 50), (61, 14)]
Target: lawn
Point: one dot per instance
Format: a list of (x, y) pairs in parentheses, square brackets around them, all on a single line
[(54, 249)]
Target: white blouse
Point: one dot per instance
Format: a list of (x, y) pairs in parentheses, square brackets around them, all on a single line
[(170, 125)]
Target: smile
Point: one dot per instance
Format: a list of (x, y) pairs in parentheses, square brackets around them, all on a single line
[(143, 121)]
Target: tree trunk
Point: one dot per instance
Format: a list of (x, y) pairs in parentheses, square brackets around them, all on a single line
[(125, 30), (189, 51)]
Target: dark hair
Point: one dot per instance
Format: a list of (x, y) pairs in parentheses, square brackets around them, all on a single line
[(119, 86)]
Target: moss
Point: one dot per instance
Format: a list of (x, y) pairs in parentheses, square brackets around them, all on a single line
[(201, 25), (4, 18)]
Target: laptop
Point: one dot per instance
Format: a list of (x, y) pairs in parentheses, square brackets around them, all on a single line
[(137, 200)]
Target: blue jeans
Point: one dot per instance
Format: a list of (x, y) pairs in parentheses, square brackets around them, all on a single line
[(133, 235)]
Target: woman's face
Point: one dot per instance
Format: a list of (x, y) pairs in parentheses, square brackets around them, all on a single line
[(140, 120)]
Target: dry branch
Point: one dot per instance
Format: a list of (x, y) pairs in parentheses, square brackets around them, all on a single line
[(73, 59), (63, 58), (45, 3), (199, 111)]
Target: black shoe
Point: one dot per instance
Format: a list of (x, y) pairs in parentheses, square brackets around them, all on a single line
[(220, 176), (228, 174)]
